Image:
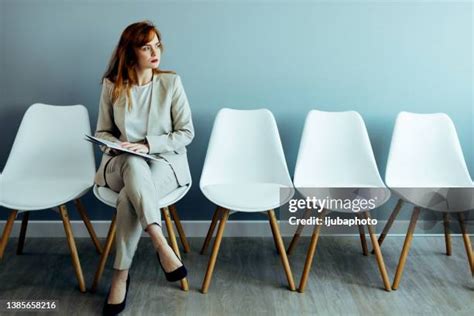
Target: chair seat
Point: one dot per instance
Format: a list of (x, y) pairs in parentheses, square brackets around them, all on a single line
[(439, 199), (109, 197), (31, 195), (256, 197)]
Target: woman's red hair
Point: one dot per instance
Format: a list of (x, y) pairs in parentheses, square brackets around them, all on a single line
[(121, 69)]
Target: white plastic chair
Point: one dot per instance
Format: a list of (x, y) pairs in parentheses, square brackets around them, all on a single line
[(336, 161), (50, 164), (168, 209), (245, 170), (426, 168)]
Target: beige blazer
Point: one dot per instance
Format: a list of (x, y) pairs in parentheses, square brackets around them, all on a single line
[(170, 127)]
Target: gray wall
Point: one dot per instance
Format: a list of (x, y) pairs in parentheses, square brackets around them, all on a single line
[(375, 57)]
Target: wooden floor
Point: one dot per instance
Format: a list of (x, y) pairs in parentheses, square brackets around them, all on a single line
[(249, 279)]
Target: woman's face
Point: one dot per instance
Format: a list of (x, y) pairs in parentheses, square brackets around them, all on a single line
[(149, 55)]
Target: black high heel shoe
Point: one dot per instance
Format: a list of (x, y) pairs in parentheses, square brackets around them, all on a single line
[(175, 275), (114, 309)]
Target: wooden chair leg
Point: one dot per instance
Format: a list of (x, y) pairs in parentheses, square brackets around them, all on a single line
[(389, 223), (82, 211), (363, 241), (310, 254), (275, 240), (378, 254), (210, 232), (215, 250), (7, 231), (173, 242), (105, 253), (21, 240), (72, 247), (281, 249), (179, 228), (298, 232), (447, 235), (467, 242), (406, 248)]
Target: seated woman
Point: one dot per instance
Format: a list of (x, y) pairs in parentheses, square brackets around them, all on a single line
[(146, 110)]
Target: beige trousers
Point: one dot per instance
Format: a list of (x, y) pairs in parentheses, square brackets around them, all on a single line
[(140, 184)]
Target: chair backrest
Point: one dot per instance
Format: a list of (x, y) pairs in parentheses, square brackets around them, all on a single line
[(335, 151), (425, 152), (50, 144), (245, 147)]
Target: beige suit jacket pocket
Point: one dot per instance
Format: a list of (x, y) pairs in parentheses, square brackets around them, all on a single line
[(180, 166)]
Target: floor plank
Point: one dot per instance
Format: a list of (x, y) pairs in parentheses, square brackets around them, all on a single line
[(249, 279)]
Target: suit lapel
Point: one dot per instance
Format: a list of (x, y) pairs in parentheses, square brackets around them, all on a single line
[(119, 113), (153, 115)]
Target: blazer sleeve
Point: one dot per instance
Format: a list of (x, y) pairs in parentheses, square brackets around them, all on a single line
[(106, 127), (183, 130)]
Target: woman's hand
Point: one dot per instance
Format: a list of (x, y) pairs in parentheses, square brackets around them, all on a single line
[(136, 147)]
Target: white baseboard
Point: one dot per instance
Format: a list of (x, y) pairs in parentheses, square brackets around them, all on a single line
[(238, 228)]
